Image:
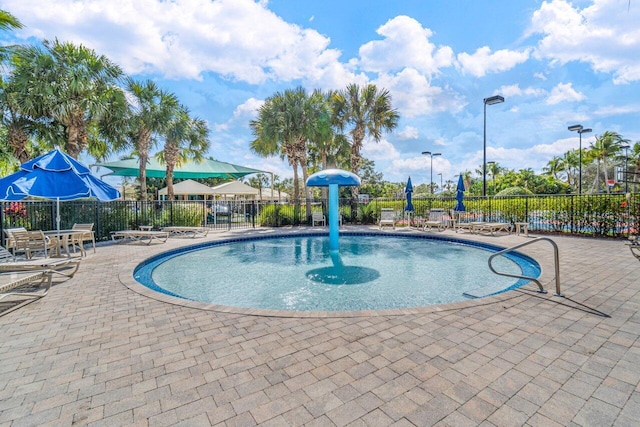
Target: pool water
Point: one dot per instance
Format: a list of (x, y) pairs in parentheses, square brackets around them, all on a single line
[(299, 273)]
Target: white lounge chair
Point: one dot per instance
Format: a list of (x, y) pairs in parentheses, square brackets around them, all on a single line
[(176, 230), (63, 266), (387, 217), (9, 282), (31, 242), (318, 217), (140, 236), (634, 246), (436, 219)]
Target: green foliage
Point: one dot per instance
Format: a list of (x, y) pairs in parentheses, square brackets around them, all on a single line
[(276, 215), (513, 191)]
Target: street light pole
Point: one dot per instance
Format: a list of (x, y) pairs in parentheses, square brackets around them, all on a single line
[(580, 130), (431, 155), (496, 99), (625, 175)]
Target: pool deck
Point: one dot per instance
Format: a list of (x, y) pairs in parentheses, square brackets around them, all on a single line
[(98, 351)]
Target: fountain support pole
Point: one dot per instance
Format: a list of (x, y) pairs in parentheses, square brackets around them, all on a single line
[(334, 211)]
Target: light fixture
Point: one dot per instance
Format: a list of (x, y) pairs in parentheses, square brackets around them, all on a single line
[(431, 155)]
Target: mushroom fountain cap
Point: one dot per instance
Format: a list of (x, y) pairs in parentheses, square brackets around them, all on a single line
[(333, 176)]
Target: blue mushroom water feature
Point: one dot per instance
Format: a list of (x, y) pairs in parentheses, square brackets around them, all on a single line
[(333, 178)]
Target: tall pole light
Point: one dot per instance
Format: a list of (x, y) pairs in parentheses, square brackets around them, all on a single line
[(626, 159), (580, 130), (440, 181), (431, 155), (496, 99)]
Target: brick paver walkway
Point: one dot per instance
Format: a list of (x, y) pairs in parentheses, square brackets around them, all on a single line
[(95, 352)]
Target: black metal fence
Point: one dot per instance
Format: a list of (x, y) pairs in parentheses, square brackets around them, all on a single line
[(613, 215)]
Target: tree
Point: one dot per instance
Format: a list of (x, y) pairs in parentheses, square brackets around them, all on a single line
[(151, 111), (71, 86), (8, 22), (605, 147), (363, 111), (185, 138), (285, 123), (259, 181)]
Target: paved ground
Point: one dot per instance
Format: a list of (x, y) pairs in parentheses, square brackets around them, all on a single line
[(96, 351)]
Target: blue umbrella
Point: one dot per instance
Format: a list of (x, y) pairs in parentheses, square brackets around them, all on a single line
[(408, 190), (459, 207), (55, 176)]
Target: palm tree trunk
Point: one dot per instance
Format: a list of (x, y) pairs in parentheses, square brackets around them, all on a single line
[(144, 144), (307, 190), (606, 174), (18, 142)]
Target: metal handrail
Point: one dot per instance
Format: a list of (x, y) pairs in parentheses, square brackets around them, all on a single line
[(533, 279)]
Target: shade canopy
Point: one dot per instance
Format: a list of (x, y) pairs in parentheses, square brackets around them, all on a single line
[(236, 188), (189, 187), (189, 170), (459, 207), (55, 176), (408, 190)]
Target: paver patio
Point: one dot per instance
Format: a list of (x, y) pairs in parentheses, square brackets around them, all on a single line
[(98, 351)]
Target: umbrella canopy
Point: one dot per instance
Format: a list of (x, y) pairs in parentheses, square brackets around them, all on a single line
[(189, 170), (459, 207), (55, 176), (408, 190)]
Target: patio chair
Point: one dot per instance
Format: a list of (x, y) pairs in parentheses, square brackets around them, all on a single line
[(87, 235), (140, 236), (64, 266), (12, 281), (318, 217), (387, 217), (31, 242), (436, 219), (11, 241)]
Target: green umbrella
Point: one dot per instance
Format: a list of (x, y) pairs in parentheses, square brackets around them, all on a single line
[(193, 170)]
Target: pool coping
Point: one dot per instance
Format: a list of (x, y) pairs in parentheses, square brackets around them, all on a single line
[(126, 278)]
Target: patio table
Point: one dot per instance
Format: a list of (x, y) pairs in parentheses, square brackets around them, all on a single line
[(65, 238)]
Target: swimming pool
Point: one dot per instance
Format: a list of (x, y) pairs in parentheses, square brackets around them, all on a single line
[(372, 271)]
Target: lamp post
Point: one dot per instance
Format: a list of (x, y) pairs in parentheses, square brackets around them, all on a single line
[(626, 159), (431, 155), (496, 99), (440, 181), (580, 130)]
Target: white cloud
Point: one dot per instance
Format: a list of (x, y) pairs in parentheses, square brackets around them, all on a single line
[(515, 90), (483, 61), (413, 95), (604, 35), (239, 39), (405, 45), (540, 76), (614, 110), (383, 150), (409, 132), (564, 92), (243, 113)]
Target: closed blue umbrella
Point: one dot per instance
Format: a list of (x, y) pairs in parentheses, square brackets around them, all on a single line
[(408, 190), (55, 176), (459, 207)]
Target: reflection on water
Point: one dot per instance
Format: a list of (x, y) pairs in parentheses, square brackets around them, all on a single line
[(340, 274)]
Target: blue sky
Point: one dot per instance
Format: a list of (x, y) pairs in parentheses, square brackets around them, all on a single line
[(557, 63)]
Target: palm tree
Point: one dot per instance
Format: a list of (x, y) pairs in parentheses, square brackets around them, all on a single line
[(185, 138), (18, 126), (605, 147), (151, 110), (8, 22), (364, 111), (71, 86), (554, 166), (285, 123), (634, 159)]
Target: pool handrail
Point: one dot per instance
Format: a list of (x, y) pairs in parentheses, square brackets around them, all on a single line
[(556, 259)]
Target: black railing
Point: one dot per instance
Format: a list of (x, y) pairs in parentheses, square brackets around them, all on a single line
[(596, 215)]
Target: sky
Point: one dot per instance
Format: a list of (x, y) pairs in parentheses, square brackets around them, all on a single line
[(556, 63)]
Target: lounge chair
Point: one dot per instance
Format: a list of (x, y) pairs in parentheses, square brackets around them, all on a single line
[(186, 231), (31, 242), (64, 266), (436, 219), (318, 217), (87, 235), (140, 236), (387, 217), (11, 241), (491, 227), (11, 281)]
